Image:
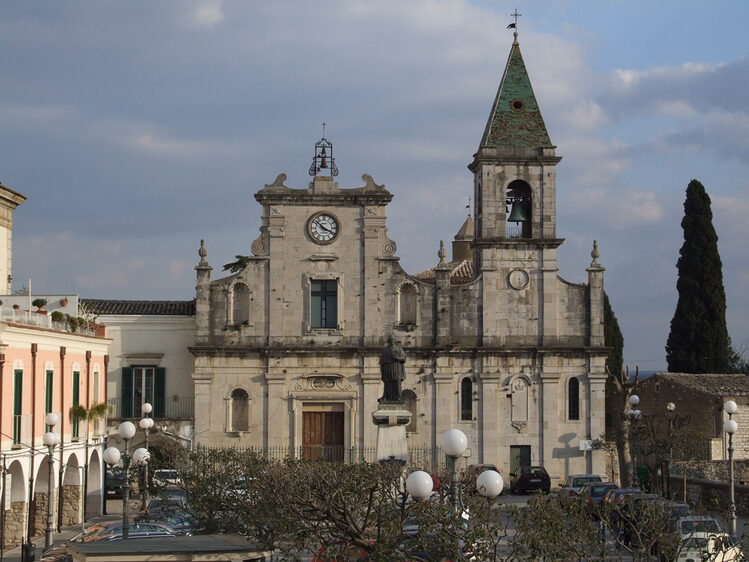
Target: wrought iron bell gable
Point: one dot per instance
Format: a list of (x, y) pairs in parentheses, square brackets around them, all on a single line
[(323, 159)]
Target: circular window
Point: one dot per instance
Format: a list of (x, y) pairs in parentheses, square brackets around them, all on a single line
[(517, 105)]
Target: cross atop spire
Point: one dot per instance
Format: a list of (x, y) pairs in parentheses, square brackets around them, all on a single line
[(516, 15)]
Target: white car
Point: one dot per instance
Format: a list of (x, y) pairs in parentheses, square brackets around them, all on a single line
[(716, 547), (166, 477)]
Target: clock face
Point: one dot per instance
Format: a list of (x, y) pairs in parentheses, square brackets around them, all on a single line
[(323, 228), (518, 279)]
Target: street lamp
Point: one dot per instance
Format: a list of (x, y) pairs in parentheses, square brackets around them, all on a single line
[(671, 407), (50, 439), (454, 442), (112, 456), (730, 426), (146, 424), (633, 415)]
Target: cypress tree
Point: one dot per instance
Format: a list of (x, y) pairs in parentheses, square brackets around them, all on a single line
[(612, 336), (698, 341)]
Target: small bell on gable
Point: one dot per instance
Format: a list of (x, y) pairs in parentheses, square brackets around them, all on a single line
[(323, 159)]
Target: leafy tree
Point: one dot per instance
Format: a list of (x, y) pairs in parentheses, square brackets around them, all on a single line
[(698, 341), (738, 359)]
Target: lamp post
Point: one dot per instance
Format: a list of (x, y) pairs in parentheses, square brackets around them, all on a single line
[(146, 423), (671, 407), (634, 415), (112, 456), (50, 439), (454, 442), (730, 426)]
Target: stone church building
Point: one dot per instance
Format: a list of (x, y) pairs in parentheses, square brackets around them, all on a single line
[(498, 345)]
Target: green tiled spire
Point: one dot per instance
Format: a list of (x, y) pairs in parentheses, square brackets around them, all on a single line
[(515, 120)]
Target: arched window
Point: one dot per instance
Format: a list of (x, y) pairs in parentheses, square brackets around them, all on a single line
[(466, 399), (407, 304), (241, 304), (239, 410), (409, 398), (573, 399), (518, 210), (520, 400)]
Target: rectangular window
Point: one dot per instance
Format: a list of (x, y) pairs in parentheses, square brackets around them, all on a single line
[(17, 405), (49, 382), (140, 385), (95, 399), (324, 303), (76, 400)]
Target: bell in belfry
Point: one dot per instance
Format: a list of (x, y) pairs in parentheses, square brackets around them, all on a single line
[(324, 159), (518, 212)]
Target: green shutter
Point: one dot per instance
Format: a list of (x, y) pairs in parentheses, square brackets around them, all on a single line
[(17, 405), (159, 391), (126, 407), (76, 399), (48, 392)]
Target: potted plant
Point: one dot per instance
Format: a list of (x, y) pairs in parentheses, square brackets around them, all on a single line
[(72, 322), (16, 306), (39, 304), (98, 410), (63, 301), (78, 411), (57, 316)]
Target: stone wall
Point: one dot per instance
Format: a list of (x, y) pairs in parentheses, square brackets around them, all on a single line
[(15, 524), (71, 505), (39, 512), (714, 470), (711, 495)]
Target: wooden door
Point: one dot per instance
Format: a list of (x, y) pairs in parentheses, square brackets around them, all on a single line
[(322, 436)]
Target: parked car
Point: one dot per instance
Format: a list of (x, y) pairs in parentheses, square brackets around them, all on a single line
[(592, 492), (716, 547), (169, 498), (114, 482), (569, 487), (166, 477), (112, 531), (529, 478), (620, 494)]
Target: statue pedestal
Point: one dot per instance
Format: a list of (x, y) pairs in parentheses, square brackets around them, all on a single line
[(391, 419)]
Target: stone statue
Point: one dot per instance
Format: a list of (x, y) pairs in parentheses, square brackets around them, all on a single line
[(392, 370)]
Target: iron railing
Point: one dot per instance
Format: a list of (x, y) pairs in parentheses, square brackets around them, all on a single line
[(171, 407), (40, 320), (424, 456)]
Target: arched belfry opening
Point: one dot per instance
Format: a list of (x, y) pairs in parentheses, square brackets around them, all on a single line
[(518, 210)]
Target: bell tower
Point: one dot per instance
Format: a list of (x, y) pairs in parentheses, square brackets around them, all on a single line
[(515, 208)]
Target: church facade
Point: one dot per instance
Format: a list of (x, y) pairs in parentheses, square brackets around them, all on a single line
[(498, 345)]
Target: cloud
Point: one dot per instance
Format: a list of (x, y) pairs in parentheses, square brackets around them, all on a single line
[(206, 15), (179, 148)]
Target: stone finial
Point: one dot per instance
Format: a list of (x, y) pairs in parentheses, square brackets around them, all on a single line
[(202, 252), (595, 254), (442, 253)]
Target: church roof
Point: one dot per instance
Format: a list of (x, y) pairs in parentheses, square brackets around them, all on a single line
[(467, 231), (461, 272), (515, 120), (725, 385), (144, 308)]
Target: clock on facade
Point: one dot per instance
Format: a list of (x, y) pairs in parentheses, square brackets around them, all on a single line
[(518, 279), (323, 228)]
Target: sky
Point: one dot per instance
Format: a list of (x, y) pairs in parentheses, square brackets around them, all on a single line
[(137, 128)]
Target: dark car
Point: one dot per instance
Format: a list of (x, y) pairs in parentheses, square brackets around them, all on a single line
[(530, 478), (620, 494), (114, 482), (593, 492)]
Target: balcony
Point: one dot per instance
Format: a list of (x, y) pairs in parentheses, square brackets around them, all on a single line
[(170, 408), (41, 320)]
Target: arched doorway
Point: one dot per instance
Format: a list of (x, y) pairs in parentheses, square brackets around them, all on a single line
[(94, 491), (41, 489), (15, 516), (71, 493)]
